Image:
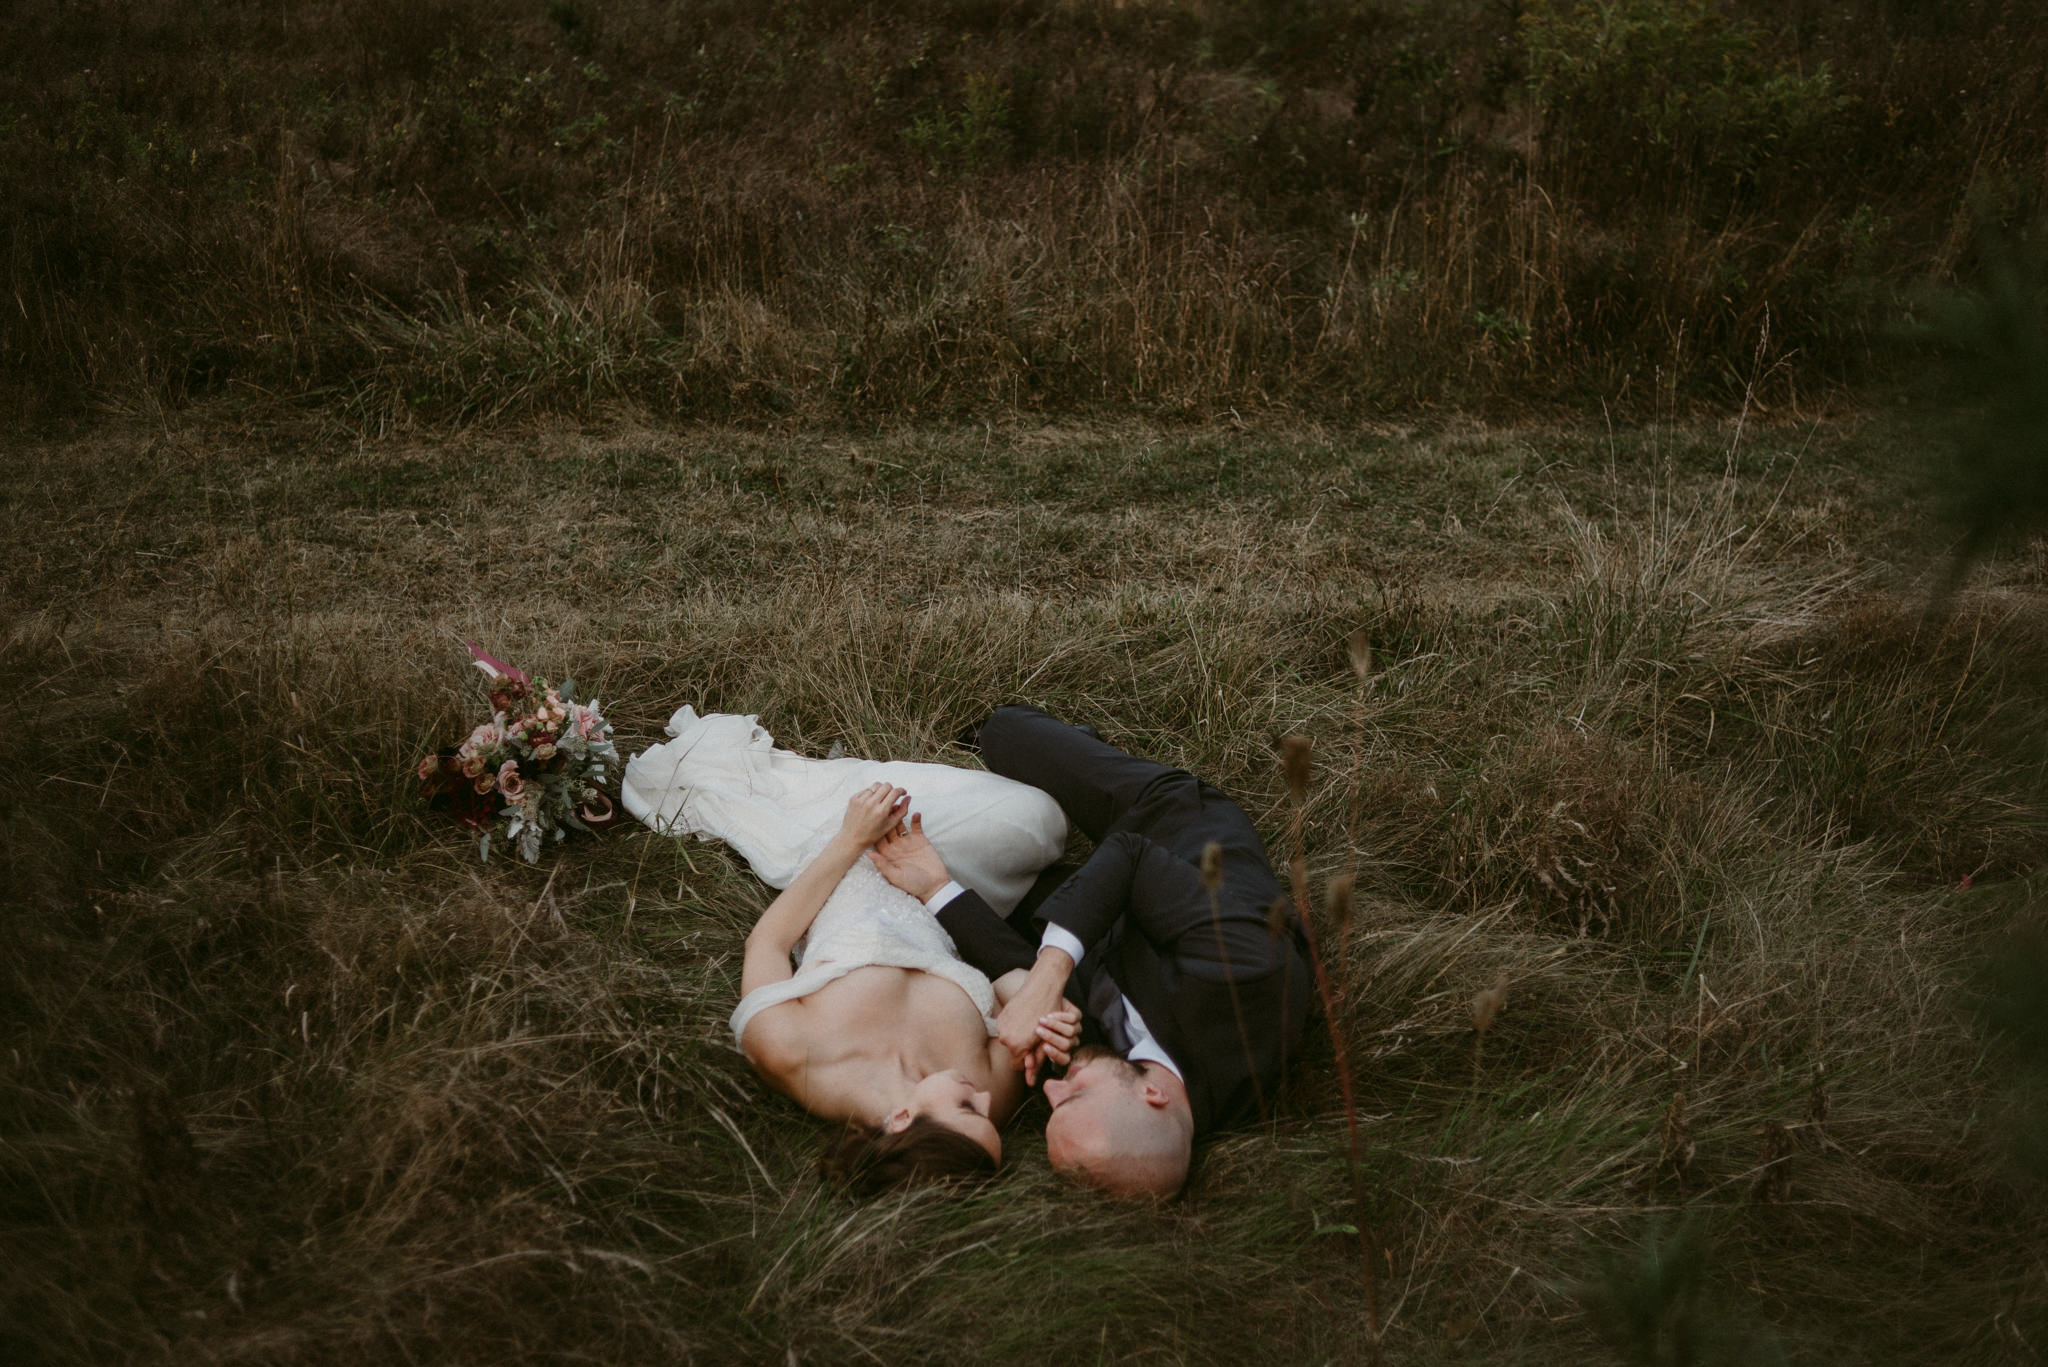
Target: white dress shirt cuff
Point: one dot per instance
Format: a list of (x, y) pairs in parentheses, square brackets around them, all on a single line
[(1059, 937), (944, 895)]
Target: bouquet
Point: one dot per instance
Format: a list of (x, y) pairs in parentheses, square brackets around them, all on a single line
[(532, 772)]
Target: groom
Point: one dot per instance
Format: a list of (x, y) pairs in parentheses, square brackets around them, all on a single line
[(1199, 988)]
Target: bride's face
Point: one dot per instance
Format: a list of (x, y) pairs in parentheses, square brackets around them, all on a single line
[(951, 1099)]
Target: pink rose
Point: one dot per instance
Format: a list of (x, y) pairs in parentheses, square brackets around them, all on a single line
[(429, 766), (473, 766), (486, 782), (509, 782), (545, 750)]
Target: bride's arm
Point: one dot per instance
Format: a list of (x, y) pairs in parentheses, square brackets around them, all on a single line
[(1059, 1034), (1008, 1086), (873, 811), (1007, 985)]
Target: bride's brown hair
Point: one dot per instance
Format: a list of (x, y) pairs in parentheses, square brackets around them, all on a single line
[(873, 1161)]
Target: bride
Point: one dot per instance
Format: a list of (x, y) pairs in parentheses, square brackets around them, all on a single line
[(853, 1001)]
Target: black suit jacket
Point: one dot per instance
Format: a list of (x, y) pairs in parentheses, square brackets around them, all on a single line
[(1224, 995)]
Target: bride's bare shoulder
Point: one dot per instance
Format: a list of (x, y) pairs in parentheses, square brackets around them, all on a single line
[(778, 1041), (801, 1053)]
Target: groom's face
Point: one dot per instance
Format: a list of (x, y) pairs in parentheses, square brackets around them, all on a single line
[(1097, 1085), (1093, 1068), (1113, 1127)]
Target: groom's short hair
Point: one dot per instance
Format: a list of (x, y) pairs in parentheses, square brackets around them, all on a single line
[(875, 1161), (1119, 1143), (1153, 1161)]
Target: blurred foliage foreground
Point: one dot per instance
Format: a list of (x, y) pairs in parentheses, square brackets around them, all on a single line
[(448, 210), (1656, 779)]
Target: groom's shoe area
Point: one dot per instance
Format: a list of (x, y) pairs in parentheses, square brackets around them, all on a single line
[(969, 737), (1201, 1004)]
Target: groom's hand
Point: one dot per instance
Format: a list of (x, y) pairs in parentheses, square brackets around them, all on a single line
[(1058, 1036), (908, 860), (1040, 997)]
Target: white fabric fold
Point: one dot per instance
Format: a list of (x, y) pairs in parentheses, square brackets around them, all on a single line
[(720, 777)]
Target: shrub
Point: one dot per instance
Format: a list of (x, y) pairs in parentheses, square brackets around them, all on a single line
[(1670, 91)]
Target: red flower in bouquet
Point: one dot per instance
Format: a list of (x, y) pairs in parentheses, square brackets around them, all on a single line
[(448, 789)]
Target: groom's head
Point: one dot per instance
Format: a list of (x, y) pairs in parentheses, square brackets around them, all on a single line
[(1118, 1127)]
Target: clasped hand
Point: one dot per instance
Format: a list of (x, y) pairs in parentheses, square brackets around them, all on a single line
[(1046, 1030), (1038, 1025)]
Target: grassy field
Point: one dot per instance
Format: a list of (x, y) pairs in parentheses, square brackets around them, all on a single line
[(1656, 735)]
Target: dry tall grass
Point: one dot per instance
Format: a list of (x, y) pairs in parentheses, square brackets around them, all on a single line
[(457, 211), (290, 1077)]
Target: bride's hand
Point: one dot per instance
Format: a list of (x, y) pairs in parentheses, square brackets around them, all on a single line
[(874, 811)]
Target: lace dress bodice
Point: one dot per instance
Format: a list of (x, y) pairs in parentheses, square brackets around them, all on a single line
[(868, 921)]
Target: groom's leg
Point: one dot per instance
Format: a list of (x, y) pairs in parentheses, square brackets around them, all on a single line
[(1094, 782)]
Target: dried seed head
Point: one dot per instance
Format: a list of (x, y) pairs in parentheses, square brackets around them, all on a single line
[(1774, 1159), (1276, 918), (1488, 1004), (1338, 895), (1212, 866), (1817, 1099), (1360, 650), (1678, 1148), (1294, 759)]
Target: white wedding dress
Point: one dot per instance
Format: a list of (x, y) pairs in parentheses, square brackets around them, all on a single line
[(721, 778)]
